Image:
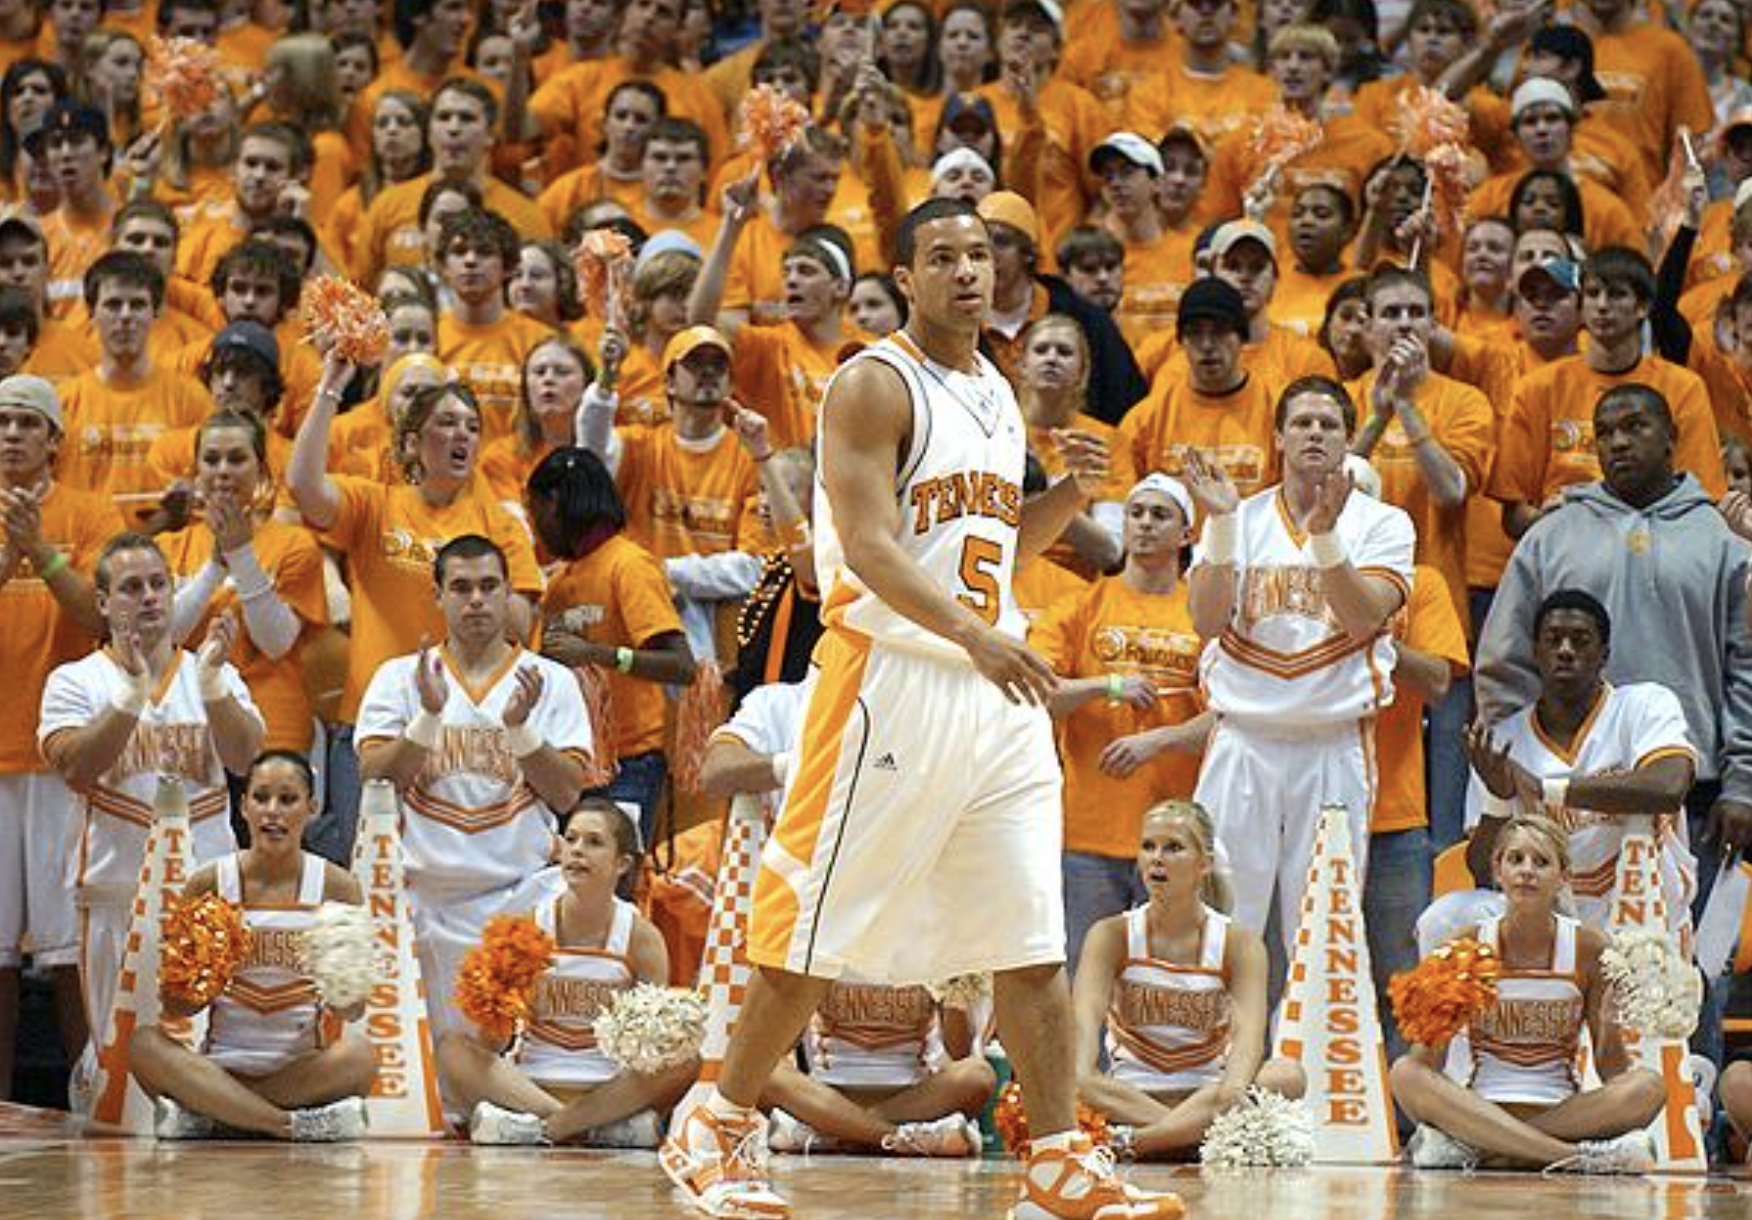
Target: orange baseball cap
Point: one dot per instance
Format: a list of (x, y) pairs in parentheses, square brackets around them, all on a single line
[(1009, 208), (687, 342)]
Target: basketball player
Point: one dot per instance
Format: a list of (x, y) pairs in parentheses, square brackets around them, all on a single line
[(919, 838), (115, 721), (1294, 588), (486, 743), (276, 1062)]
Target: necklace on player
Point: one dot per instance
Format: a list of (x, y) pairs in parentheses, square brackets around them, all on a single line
[(983, 404)]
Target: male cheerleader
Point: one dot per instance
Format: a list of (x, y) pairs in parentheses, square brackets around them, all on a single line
[(1293, 588), (920, 834)]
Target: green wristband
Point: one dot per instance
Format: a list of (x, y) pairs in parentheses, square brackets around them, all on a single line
[(1115, 688), (623, 660), (57, 561)]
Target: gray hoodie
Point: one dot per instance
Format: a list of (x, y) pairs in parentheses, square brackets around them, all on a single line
[(1673, 578)]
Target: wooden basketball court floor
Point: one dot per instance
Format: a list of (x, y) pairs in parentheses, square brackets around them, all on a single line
[(49, 1172)]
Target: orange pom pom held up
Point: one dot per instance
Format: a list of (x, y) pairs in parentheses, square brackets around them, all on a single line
[(184, 75), (339, 315), (772, 121), (1011, 1119), (497, 980), (1435, 1000), (1428, 121), (602, 261), (205, 941)]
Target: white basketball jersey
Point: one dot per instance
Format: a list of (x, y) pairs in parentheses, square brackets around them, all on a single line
[(559, 1044), (1526, 1046), (873, 1036), (172, 738), (960, 492), (1629, 727), (1168, 1024), (1284, 659), (269, 1014), (473, 823)]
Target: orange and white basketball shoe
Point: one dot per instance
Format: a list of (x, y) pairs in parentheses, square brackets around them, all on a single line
[(720, 1165), (1080, 1183)]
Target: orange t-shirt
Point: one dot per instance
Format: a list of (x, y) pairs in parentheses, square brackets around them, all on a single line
[(38, 636), (1213, 106), (1654, 86), (489, 360), (1344, 157), (1040, 584), (1465, 427), (1606, 221), (62, 352), (1548, 436), (74, 242), (293, 561), (574, 103), (111, 427), (1108, 630), (1298, 303), (617, 596), (390, 536), (1426, 622), (586, 184), (1729, 384), (391, 235), (1074, 124), (783, 373), (360, 444), (1491, 365), (685, 497), (1234, 429), (1156, 273), (505, 467), (1121, 476)]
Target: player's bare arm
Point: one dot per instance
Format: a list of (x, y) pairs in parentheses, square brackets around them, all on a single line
[(866, 423)]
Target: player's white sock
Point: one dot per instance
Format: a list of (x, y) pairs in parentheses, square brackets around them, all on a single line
[(719, 1106)]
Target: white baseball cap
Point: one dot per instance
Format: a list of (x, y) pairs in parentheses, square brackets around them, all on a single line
[(1133, 147), (1168, 486)]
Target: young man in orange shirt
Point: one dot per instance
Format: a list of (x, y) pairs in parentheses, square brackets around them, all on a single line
[(267, 179), (1653, 79), (51, 539), (673, 174), (1158, 262), (805, 178), (1547, 437), (60, 351), (75, 142), (1201, 85), (478, 336)]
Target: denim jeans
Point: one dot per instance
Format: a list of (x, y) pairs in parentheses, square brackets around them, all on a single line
[(1395, 893), (1096, 887), (1445, 746), (639, 782), (331, 834)]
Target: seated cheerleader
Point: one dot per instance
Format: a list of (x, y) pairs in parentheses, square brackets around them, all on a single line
[(1181, 992), (553, 1085), (889, 1070), (1735, 1092), (1523, 1105), (276, 1062)]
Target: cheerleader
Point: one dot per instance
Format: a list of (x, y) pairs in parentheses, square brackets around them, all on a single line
[(276, 1062), (1181, 992), (1521, 1103), (889, 1070), (554, 1085)]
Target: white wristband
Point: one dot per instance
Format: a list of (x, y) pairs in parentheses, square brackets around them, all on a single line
[(1556, 793), (782, 764), (1498, 808), (1221, 538), (1327, 550), (523, 740), (247, 576), (423, 729), (211, 683), (130, 701)]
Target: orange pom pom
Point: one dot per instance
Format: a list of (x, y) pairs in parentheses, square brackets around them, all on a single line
[(602, 260), (599, 704), (184, 75), (1282, 135), (497, 980), (205, 941), (1667, 205), (1010, 1117), (704, 706), (1436, 999), (340, 315), (772, 121), (1450, 170), (1427, 120)]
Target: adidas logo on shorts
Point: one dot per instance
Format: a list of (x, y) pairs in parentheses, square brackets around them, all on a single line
[(885, 762)]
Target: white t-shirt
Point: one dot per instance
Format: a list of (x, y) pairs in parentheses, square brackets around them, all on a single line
[(473, 824), (172, 738)]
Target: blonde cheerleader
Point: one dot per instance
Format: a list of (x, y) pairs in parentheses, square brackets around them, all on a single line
[(276, 1062), (554, 1084), (1522, 1103), (1180, 990)]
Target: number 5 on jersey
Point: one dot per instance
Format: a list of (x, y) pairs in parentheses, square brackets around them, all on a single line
[(980, 560)]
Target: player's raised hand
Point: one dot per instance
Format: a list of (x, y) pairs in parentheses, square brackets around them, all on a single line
[(429, 680), (1212, 490), (1329, 499), (1012, 667), (1086, 458), (524, 698)]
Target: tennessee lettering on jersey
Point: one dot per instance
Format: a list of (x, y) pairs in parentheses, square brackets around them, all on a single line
[(1140, 1005), (979, 493), (403, 549), (1545, 1023), (494, 383), (872, 1015), (571, 999), (483, 751), (279, 948), (182, 750), (1268, 591)]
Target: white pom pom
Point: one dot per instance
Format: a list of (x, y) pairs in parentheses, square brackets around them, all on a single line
[(650, 1029), (340, 952), (963, 991), (1658, 992), (1267, 1129)]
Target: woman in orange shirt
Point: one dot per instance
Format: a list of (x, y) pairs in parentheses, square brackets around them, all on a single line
[(610, 607), (360, 443), (110, 78), (390, 536), (28, 89), (198, 156), (241, 561), (1487, 300), (399, 152), (544, 285), (303, 90), (554, 376)]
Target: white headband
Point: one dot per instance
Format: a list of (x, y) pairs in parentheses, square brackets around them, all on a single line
[(1173, 488), (960, 158), (842, 266)]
